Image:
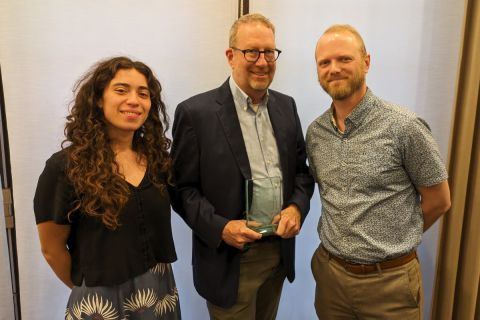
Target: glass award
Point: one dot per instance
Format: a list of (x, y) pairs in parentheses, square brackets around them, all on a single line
[(264, 200)]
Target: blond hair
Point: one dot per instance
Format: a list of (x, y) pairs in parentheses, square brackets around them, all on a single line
[(247, 19), (348, 28)]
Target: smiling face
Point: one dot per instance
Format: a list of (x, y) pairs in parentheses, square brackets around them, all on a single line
[(341, 65), (126, 102), (253, 78)]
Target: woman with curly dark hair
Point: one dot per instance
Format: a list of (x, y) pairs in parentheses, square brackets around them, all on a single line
[(101, 205)]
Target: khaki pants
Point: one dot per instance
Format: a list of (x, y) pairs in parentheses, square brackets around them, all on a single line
[(260, 285), (391, 294)]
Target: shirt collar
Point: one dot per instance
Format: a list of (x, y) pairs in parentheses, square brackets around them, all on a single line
[(359, 112), (241, 99), (333, 121)]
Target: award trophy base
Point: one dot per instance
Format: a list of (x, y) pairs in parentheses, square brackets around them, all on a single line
[(266, 230)]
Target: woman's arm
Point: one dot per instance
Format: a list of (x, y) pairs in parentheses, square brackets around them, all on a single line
[(53, 240)]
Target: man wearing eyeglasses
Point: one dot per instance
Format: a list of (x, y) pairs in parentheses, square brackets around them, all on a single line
[(222, 138)]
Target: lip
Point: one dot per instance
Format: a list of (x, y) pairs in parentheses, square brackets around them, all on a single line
[(336, 79), (260, 74), (131, 114)]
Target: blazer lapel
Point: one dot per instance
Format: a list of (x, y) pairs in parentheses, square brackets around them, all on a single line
[(228, 117)]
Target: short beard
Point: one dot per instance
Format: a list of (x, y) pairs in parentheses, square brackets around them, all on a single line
[(346, 91)]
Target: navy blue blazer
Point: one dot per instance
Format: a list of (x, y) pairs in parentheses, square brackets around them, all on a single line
[(211, 165)]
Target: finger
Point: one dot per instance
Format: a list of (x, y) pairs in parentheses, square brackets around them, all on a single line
[(240, 243), (288, 232), (290, 227), (281, 228), (253, 224), (249, 235), (276, 219), (295, 227), (234, 243)]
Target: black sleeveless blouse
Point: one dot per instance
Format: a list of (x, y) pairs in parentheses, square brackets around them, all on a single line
[(100, 256)]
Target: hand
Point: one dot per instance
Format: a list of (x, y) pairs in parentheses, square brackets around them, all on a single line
[(236, 234), (288, 222)]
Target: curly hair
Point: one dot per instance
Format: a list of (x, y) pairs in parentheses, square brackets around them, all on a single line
[(101, 191)]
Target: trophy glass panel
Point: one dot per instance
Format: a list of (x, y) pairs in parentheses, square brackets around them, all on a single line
[(264, 200)]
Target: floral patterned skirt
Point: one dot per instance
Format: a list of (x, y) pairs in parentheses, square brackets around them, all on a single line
[(152, 295)]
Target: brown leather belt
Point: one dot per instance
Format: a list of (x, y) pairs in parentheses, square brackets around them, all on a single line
[(375, 267)]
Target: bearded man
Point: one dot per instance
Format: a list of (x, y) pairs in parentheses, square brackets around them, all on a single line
[(382, 183)]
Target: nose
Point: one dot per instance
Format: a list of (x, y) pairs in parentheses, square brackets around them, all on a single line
[(261, 60), (132, 98), (334, 67)]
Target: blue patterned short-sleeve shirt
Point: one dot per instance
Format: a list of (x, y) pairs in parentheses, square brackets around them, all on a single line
[(367, 176)]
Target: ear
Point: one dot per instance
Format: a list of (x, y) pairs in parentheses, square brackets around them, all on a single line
[(366, 61), (229, 55), (100, 103)]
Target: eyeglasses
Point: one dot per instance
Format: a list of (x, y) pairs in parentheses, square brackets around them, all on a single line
[(252, 55)]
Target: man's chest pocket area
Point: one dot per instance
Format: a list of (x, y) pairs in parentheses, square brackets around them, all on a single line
[(377, 164)]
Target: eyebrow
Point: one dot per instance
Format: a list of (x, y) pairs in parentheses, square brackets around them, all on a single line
[(127, 85), (342, 56)]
